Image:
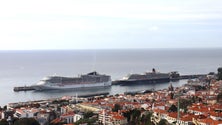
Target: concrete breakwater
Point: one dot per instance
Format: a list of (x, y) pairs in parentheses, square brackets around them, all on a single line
[(192, 76), (23, 88)]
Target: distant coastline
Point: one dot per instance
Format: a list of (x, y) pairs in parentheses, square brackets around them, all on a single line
[(111, 49)]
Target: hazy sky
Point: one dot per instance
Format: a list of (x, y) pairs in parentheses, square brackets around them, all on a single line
[(94, 24)]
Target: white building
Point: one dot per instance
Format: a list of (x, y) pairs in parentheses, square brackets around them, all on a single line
[(69, 117), (26, 113), (77, 117), (112, 118)]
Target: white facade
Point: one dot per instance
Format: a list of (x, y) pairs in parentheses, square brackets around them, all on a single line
[(2, 115), (69, 118), (25, 113), (77, 117), (107, 118)]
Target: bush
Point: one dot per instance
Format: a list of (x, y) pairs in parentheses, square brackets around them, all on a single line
[(26, 121), (219, 70)]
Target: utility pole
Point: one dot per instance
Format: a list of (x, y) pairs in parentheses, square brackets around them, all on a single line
[(76, 98), (178, 111)]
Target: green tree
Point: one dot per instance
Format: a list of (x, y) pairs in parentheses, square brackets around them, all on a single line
[(163, 122), (127, 115), (184, 103), (116, 108), (88, 121), (5, 107), (146, 119), (219, 73), (133, 116), (88, 115), (59, 123), (3, 122), (26, 121), (87, 118), (172, 108), (171, 95), (219, 97)]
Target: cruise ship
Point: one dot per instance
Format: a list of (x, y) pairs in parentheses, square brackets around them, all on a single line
[(89, 80), (146, 78)]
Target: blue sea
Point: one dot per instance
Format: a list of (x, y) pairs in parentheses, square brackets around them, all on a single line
[(20, 68)]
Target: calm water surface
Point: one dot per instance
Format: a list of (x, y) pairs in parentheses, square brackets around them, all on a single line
[(19, 68)]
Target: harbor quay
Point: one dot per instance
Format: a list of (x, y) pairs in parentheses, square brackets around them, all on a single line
[(140, 79), (199, 101)]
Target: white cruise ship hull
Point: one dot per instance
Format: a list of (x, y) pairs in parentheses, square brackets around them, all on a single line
[(73, 86)]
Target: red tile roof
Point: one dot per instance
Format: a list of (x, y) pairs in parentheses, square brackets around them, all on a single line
[(118, 117), (68, 114), (188, 117), (209, 121), (57, 120)]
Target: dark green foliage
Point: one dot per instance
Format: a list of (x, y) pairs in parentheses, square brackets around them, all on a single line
[(219, 73), (88, 121), (62, 102), (14, 119), (88, 115), (133, 116), (200, 88), (87, 118), (219, 97), (116, 108), (29, 105), (163, 122), (193, 100), (5, 107), (60, 123), (53, 115), (26, 121), (146, 119), (127, 115), (184, 103), (196, 99), (172, 108), (171, 95), (3, 122)]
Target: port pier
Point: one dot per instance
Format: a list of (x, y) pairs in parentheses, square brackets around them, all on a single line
[(30, 88)]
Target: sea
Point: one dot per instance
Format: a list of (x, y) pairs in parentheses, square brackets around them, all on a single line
[(24, 68)]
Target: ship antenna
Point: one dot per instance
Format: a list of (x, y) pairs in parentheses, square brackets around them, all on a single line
[(94, 60)]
